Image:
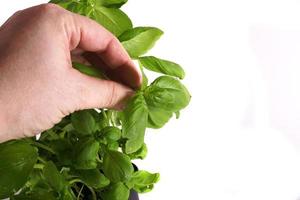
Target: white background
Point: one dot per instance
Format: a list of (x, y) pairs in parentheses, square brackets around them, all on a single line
[(240, 137)]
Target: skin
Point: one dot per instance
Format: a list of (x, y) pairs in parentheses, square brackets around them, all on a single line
[(38, 85)]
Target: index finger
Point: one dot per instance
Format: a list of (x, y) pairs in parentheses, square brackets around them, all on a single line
[(107, 51)]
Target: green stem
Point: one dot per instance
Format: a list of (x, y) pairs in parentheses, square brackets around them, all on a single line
[(94, 196), (79, 193), (42, 160), (38, 166), (76, 180), (42, 146)]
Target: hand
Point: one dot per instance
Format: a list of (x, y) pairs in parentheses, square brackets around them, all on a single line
[(38, 85)]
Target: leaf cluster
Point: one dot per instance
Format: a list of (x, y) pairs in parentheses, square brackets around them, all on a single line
[(90, 153)]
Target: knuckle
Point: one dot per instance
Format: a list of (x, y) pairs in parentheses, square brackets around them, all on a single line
[(111, 94), (50, 10)]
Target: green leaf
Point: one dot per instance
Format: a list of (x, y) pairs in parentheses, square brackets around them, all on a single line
[(162, 66), (53, 177), (113, 19), (112, 3), (139, 154), (158, 117), (134, 123), (143, 181), (64, 151), (117, 166), (37, 194), (140, 40), (17, 159), (83, 122), (93, 178), (117, 191), (86, 154), (111, 133), (89, 70), (167, 93)]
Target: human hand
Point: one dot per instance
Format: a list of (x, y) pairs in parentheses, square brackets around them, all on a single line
[(38, 85)]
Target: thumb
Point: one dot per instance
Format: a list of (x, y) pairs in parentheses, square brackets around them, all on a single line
[(98, 93)]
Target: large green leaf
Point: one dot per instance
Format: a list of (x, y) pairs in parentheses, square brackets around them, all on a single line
[(93, 178), (113, 19), (16, 163), (117, 191), (84, 122), (140, 40), (167, 93), (117, 166), (158, 117), (37, 194), (86, 154), (162, 66), (134, 122), (53, 177)]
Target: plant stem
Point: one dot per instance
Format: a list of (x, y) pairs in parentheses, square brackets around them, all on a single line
[(42, 146), (93, 193), (38, 166)]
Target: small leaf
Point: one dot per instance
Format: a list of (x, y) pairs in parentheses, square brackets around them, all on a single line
[(111, 133), (17, 161), (53, 177), (139, 154), (143, 181), (140, 40), (134, 123), (86, 154), (94, 178), (83, 122), (167, 93), (117, 166), (162, 66), (112, 3), (89, 70)]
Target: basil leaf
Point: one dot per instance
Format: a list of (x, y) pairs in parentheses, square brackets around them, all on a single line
[(162, 66), (83, 122), (117, 166), (117, 191), (89, 70), (86, 154), (158, 117), (113, 3), (167, 93), (139, 154), (113, 19), (134, 123), (143, 181), (111, 133), (53, 177), (17, 161), (36, 194), (93, 178), (140, 40)]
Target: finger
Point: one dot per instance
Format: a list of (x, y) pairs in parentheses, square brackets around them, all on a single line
[(86, 34), (99, 93)]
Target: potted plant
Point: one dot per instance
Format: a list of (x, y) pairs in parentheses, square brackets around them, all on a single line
[(90, 153)]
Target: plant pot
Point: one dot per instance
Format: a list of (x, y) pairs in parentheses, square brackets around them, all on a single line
[(133, 195)]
